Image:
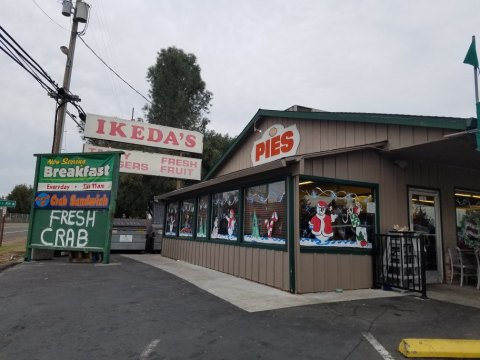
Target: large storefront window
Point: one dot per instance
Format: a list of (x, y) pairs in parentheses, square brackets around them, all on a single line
[(202, 217), (467, 207), (172, 219), (187, 214), (224, 215), (336, 215), (265, 219)]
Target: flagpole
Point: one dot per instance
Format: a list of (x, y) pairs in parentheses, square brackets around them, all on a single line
[(475, 75)]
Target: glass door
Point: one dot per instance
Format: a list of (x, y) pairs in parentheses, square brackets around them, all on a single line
[(424, 213)]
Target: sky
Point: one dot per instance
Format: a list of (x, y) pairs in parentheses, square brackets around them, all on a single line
[(374, 56)]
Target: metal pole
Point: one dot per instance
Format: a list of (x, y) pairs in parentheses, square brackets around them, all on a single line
[(60, 120), (2, 227)]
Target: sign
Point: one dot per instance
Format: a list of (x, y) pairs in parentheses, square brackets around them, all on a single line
[(75, 172), (139, 162), (133, 132), (70, 212), (277, 142), (69, 229), (72, 200), (8, 203)]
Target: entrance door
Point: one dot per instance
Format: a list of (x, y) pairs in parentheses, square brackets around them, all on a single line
[(424, 214)]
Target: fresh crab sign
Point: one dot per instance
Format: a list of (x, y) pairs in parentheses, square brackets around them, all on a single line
[(140, 133), (277, 142)]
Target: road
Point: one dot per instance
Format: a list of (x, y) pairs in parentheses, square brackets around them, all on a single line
[(15, 232), (129, 310)]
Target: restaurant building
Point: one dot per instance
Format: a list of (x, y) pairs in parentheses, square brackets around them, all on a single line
[(297, 200)]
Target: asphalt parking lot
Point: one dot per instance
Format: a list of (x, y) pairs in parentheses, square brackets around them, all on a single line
[(130, 310)]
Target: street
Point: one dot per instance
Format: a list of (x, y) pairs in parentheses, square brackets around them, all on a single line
[(129, 310), (15, 231)]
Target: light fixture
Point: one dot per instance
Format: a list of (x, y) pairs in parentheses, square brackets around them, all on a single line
[(306, 183), (64, 50)]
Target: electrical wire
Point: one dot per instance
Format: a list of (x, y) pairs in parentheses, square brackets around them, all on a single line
[(104, 63), (38, 6)]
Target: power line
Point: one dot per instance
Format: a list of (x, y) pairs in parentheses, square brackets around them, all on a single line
[(49, 16), (104, 63)]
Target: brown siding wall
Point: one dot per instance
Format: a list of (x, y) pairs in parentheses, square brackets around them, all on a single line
[(325, 135), (265, 266), (314, 270)]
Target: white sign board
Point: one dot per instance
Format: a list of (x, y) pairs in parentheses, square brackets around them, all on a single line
[(276, 142), (140, 133), (139, 162)]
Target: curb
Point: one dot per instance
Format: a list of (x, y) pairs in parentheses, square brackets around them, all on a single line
[(8, 266), (440, 348)]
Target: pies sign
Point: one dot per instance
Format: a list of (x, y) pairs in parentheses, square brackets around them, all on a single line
[(277, 142)]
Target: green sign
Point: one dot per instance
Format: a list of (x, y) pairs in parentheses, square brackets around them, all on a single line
[(80, 230), (75, 172), (8, 203), (74, 226)]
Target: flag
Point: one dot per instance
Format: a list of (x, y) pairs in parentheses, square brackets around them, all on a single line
[(471, 57)]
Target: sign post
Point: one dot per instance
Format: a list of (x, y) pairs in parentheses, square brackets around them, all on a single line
[(74, 203), (3, 206)]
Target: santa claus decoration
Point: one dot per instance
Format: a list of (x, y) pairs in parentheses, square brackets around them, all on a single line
[(321, 223)]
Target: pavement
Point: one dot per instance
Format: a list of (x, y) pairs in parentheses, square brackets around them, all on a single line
[(248, 295), (143, 307)]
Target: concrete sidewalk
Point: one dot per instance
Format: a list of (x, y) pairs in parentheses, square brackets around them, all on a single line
[(248, 295)]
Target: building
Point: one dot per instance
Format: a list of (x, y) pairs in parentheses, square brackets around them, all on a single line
[(298, 199)]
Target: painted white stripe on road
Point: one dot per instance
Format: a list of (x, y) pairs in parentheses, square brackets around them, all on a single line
[(148, 350), (377, 346)]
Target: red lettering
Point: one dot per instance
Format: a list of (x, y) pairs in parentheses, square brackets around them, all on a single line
[(154, 135), (137, 132), (171, 138), (145, 167), (190, 141), (116, 128), (100, 126), (259, 151), (275, 145), (267, 147), (287, 141)]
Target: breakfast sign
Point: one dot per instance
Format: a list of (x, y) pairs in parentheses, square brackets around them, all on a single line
[(74, 202)]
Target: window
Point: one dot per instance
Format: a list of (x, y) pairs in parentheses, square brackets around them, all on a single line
[(187, 215), (467, 208), (172, 219), (336, 215), (202, 216), (224, 223), (265, 219)]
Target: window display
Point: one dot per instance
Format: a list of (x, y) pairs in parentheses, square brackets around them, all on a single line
[(467, 207), (265, 214), (336, 215), (187, 215), (171, 223), (224, 215), (202, 216)]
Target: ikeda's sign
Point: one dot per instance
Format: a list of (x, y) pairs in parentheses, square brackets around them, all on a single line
[(132, 132), (72, 200), (139, 162), (277, 142)]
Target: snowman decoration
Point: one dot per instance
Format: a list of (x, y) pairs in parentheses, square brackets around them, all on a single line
[(321, 223), (231, 223)]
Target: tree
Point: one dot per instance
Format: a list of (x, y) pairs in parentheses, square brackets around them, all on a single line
[(178, 93), (23, 195)]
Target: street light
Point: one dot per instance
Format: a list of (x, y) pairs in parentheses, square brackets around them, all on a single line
[(80, 15)]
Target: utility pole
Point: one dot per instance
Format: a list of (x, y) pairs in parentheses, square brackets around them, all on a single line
[(80, 15)]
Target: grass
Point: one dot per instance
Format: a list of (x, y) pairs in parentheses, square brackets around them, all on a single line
[(12, 252)]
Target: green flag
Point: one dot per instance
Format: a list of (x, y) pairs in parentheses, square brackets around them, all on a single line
[(471, 57)]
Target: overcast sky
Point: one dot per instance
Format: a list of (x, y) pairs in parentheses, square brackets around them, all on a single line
[(398, 57)]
